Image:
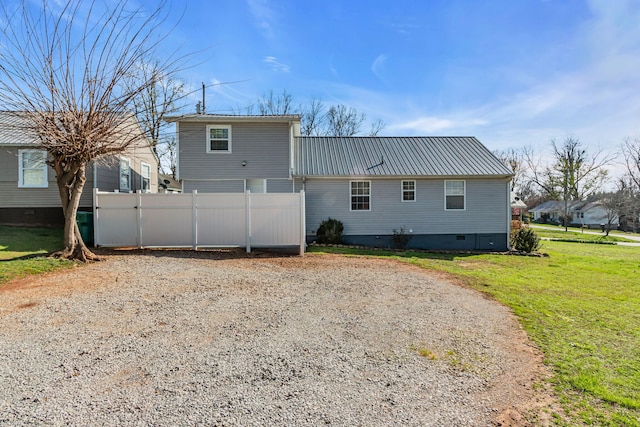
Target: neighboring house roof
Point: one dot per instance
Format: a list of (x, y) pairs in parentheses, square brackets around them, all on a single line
[(14, 130), (516, 202), (395, 156), (232, 118), (169, 183), (572, 205)]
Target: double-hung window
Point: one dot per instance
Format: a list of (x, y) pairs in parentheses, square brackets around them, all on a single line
[(408, 191), (145, 177), (125, 174), (218, 139), (32, 169), (360, 195), (454, 195)]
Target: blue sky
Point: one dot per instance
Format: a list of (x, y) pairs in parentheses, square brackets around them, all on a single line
[(510, 72)]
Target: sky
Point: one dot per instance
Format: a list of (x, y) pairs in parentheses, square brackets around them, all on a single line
[(511, 73)]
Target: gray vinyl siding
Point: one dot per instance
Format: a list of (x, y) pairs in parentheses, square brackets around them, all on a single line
[(222, 186), (11, 196), (263, 146), (486, 207), (279, 186)]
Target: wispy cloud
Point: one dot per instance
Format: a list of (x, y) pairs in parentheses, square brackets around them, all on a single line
[(430, 125), (275, 65), (378, 65), (264, 16)]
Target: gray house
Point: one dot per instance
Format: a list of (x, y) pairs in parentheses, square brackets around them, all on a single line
[(446, 192), (28, 188)]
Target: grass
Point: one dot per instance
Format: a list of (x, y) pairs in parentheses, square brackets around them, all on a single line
[(582, 308), (579, 236), (23, 251)]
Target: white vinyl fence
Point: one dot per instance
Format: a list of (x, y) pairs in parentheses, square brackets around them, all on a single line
[(199, 220)]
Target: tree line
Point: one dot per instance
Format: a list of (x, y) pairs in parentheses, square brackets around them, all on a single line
[(575, 173)]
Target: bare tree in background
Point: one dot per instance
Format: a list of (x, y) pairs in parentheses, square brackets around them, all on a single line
[(66, 68), (312, 114), (514, 159), (631, 154), (276, 105), (343, 121), (155, 102)]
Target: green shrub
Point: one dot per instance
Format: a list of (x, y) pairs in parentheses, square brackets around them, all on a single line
[(330, 231), (525, 240), (400, 238)]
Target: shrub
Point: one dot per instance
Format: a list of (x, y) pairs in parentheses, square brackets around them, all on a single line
[(525, 240), (400, 238), (330, 231), (515, 228)]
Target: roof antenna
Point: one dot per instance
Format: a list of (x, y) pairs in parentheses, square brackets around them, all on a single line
[(382, 160), (204, 108)]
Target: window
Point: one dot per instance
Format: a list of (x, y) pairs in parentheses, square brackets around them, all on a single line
[(408, 191), (218, 139), (360, 195), (32, 169), (454, 194), (125, 174), (145, 177)]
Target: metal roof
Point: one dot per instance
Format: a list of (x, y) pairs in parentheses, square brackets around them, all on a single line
[(212, 118), (395, 156), (15, 131)]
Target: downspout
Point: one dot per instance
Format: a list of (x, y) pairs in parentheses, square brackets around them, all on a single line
[(178, 153), (508, 214)]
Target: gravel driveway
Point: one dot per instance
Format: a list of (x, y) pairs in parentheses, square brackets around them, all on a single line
[(215, 338)]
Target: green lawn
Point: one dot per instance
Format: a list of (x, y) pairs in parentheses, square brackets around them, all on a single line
[(23, 251), (577, 235), (581, 306)]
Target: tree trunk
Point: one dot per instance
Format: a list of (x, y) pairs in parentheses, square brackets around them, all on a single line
[(71, 180)]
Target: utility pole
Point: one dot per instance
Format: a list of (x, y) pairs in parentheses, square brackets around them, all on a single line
[(566, 203)]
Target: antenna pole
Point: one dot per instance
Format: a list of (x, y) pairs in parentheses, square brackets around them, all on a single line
[(204, 108)]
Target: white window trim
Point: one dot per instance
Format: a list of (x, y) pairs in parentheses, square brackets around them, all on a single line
[(208, 140), (464, 194), (351, 195), (45, 172), (128, 161), (415, 190), (142, 177)]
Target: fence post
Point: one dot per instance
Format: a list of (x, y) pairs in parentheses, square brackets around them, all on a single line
[(194, 218), (303, 224), (96, 225), (248, 214), (139, 218)]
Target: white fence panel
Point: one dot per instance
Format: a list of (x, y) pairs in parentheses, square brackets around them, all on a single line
[(222, 219), (275, 218), (166, 220), (199, 220), (117, 217)]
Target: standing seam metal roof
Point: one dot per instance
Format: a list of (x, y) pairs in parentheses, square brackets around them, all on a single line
[(395, 156)]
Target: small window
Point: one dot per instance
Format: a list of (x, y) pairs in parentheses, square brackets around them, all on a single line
[(125, 174), (218, 139), (145, 177), (32, 169), (408, 191), (454, 194), (360, 195)]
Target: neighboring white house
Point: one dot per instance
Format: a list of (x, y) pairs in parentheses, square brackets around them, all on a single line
[(28, 187), (586, 214), (446, 192)]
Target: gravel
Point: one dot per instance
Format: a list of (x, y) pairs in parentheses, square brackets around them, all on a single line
[(164, 338)]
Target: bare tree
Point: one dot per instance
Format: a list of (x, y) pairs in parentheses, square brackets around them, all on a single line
[(575, 174), (66, 68), (376, 127), (343, 121), (312, 114), (276, 105), (514, 159), (631, 154)]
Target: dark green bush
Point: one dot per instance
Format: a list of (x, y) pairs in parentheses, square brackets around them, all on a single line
[(400, 238), (330, 232), (526, 240)]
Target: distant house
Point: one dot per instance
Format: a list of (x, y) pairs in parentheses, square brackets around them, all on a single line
[(168, 184), (518, 207), (28, 188), (580, 213), (445, 192)]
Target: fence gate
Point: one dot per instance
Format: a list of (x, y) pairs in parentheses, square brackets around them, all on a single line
[(206, 220)]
